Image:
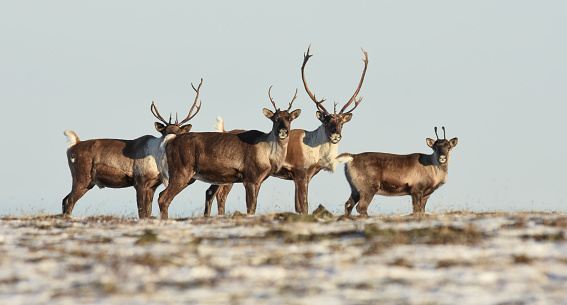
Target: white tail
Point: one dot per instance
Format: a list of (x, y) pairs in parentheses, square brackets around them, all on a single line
[(71, 137), (219, 126), (345, 158)]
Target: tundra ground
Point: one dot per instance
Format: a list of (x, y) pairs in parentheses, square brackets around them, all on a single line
[(285, 258)]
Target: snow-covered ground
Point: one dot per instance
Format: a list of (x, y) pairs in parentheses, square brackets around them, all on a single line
[(466, 258)]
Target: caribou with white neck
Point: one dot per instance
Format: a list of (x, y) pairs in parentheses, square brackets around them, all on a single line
[(308, 152)]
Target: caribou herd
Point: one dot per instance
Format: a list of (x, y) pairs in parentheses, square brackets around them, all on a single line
[(222, 158)]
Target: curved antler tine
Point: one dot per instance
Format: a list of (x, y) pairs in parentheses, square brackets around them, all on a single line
[(435, 128), (188, 119), (311, 95), (293, 100), (189, 116), (176, 122), (306, 57), (155, 112), (444, 136), (320, 106), (271, 99), (353, 98)]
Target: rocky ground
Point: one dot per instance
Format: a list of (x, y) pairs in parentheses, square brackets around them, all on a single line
[(456, 258)]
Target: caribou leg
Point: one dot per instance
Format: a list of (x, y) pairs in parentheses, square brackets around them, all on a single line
[(352, 201), (176, 185), (362, 207), (301, 190), (144, 198), (209, 197), (252, 190), (423, 202), (416, 199), (222, 194), (77, 191)]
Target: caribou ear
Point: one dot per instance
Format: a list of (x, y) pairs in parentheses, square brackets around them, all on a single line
[(268, 113), (320, 116), (347, 117), (430, 142), (453, 142), (186, 128), (294, 114), (159, 126)]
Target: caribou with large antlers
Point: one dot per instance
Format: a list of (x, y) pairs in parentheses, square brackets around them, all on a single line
[(418, 175), (122, 163), (308, 152), (218, 158)]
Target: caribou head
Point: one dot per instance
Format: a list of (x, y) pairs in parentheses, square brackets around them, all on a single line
[(281, 118), (333, 122), (442, 147), (176, 127)]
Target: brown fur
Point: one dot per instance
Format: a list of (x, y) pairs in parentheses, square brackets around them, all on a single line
[(308, 152), (295, 157), (218, 158), (303, 160), (417, 175), (121, 163), (112, 163)]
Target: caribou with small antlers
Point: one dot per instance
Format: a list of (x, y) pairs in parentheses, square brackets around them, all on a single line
[(122, 163), (418, 175), (308, 152), (218, 158)]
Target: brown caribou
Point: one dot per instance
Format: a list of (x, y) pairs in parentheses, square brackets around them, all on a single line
[(248, 157), (308, 152), (418, 175), (118, 163)]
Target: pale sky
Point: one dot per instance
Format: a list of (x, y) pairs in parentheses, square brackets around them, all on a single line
[(494, 73)]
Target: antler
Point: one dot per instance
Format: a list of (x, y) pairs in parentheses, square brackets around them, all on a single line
[(311, 95), (291, 103), (353, 98), (444, 136), (155, 112), (189, 116), (273, 103), (272, 100), (436, 132)]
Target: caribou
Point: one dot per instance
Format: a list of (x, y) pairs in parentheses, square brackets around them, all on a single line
[(417, 175), (118, 163), (308, 152), (248, 157)]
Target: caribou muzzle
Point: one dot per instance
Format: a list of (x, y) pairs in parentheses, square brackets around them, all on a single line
[(442, 159), (335, 138), (283, 133)]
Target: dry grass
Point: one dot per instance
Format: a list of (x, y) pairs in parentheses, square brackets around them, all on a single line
[(281, 254), (378, 231), (430, 235)]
